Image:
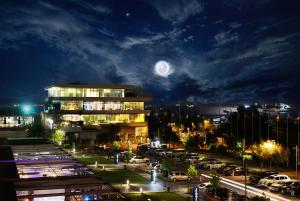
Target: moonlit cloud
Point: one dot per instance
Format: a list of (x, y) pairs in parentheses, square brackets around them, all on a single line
[(177, 11), (214, 57)]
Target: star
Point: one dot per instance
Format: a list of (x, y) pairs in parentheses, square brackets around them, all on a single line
[(127, 14)]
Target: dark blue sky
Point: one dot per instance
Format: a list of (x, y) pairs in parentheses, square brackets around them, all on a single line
[(219, 50)]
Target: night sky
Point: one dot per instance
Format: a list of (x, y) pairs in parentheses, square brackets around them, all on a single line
[(219, 51)]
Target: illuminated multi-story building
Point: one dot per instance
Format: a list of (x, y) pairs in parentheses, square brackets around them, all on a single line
[(98, 106)]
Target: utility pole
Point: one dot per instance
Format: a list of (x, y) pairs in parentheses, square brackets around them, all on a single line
[(297, 162), (297, 147), (245, 166), (259, 126), (231, 132), (237, 126), (252, 126), (244, 129), (268, 127), (287, 138), (277, 121)]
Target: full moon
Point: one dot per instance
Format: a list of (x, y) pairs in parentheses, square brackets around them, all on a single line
[(163, 68)]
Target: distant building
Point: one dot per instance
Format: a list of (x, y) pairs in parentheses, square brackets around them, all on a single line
[(82, 107), (15, 116), (15, 119)]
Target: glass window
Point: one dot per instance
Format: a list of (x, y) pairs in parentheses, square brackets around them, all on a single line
[(91, 92), (71, 105), (133, 106)]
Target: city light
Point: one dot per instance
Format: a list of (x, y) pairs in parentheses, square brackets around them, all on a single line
[(26, 108), (269, 145)]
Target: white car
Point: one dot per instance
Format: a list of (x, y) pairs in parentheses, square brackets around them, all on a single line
[(275, 178), (214, 165), (179, 176), (176, 153), (139, 159), (276, 187), (191, 159), (160, 152), (207, 160)]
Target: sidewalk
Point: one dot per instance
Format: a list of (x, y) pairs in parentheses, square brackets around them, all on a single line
[(159, 185)]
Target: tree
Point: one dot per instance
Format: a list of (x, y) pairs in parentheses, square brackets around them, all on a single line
[(270, 151), (169, 136), (215, 181), (37, 129), (129, 152), (192, 172), (58, 136), (116, 146), (167, 165), (192, 142)]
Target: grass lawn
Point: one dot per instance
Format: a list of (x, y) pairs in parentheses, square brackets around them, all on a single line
[(89, 160), (164, 179), (159, 196), (120, 176)]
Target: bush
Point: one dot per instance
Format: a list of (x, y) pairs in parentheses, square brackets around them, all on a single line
[(211, 147), (220, 149), (67, 146)]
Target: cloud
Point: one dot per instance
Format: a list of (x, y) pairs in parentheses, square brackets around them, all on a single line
[(225, 37), (98, 8), (177, 11), (234, 25), (219, 22), (133, 41)]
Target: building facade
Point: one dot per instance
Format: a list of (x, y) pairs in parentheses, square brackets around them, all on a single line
[(77, 106)]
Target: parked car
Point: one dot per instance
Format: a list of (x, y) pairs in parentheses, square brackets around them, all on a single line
[(206, 160), (179, 176), (226, 167), (214, 165), (276, 187), (143, 147), (254, 178), (177, 153), (291, 188), (139, 159), (160, 152), (191, 159), (237, 171), (267, 181), (169, 153)]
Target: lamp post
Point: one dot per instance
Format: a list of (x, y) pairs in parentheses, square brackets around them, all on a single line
[(259, 126), (297, 147), (277, 120), (179, 112), (252, 125), (237, 126), (287, 138), (268, 127)]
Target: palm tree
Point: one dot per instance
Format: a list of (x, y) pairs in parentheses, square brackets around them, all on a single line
[(215, 181)]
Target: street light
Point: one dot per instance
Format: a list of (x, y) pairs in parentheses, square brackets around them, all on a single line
[(269, 144), (277, 120), (287, 138)]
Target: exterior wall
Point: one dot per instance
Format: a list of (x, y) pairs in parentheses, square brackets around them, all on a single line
[(15, 121), (98, 106), (13, 134)]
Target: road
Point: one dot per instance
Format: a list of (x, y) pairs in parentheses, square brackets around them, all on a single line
[(234, 183), (251, 191)]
